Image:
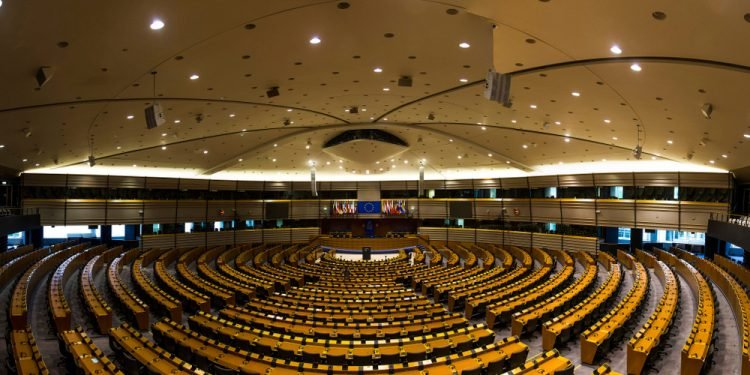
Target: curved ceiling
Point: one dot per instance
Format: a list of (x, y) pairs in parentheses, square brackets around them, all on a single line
[(223, 124)]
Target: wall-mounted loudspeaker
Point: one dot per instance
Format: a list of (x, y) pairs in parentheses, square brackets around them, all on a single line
[(154, 116), (497, 88), (43, 75)]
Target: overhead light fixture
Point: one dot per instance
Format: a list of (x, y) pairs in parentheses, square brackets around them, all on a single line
[(711, 161), (463, 80), (614, 138), (459, 156), (315, 40), (273, 160), (513, 121), (525, 146), (163, 134), (635, 67), (724, 156), (205, 152), (615, 49), (706, 110), (746, 135), (489, 155), (25, 160), (450, 139), (533, 106), (177, 121), (638, 152), (566, 139), (2, 146), (130, 117), (378, 70), (386, 89), (240, 160), (275, 145), (288, 109), (157, 24), (193, 77), (607, 121), (163, 147), (464, 45), (231, 115), (575, 93), (557, 123), (92, 161), (669, 141), (484, 128)]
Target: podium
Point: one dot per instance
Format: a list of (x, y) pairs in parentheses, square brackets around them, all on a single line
[(366, 253)]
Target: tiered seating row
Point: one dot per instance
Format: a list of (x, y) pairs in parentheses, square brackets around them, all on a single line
[(27, 359), (735, 295), (596, 339), (192, 300), (95, 304), (58, 304), (643, 343), (569, 324), (696, 352), (85, 355), (138, 353), (219, 295), (137, 310), (28, 282)]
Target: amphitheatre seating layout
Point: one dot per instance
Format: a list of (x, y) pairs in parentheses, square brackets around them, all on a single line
[(289, 309)]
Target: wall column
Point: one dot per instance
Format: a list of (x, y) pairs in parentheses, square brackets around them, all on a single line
[(636, 239), (106, 233)]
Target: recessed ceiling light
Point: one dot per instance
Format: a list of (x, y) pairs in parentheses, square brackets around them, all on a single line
[(635, 68), (130, 117), (463, 80), (231, 115), (328, 163), (288, 109), (307, 147), (607, 121), (380, 169), (559, 162), (513, 121), (2, 146), (533, 106), (385, 118), (341, 161), (406, 162), (464, 45), (273, 160), (711, 161), (525, 146), (557, 122), (393, 166), (669, 141), (176, 121), (575, 93), (25, 160), (163, 147), (566, 139), (275, 145), (193, 77), (614, 138), (205, 151), (653, 158), (157, 24), (459, 156), (489, 155), (378, 70), (615, 49), (315, 40), (340, 167), (163, 134), (746, 135), (119, 147), (450, 139), (386, 89), (724, 156), (240, 160), (484, 128), (507, 162), (36, 165)]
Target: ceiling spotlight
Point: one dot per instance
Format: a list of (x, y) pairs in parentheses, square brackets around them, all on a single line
[(231, 115), (575, 93), (273, 160), (566, 139), (176, 121), (37, 164), (308, 144), (614, 138), (669, 141), (615, 49), (25, 160), (163, 147), (157, 24), (205, 152), (484, 128), (193, 77), (706, 110), (315, 40), (2, 146), (635, 67), (240, 160), (464, 45), (533, 106), (746, 135), (489, 155), (557, 122), (450, 139), (711, 161), (459, 156), (378, 70), (724, 156), (431, 116), (463, 80), (130, 117), (386, 89), (525, 146), (275, 145)]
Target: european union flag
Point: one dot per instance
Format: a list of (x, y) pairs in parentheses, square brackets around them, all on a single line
[(368, 207)]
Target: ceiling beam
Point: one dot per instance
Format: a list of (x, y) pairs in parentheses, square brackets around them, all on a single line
[(497, 155)]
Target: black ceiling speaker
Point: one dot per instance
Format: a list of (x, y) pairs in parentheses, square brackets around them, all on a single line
[(273, 91), (404, 81), (43, 75)]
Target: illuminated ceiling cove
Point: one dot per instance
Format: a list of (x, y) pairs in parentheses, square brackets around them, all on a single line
[(254, 89)]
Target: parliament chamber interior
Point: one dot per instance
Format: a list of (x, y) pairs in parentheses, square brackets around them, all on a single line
[(457, 187)]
